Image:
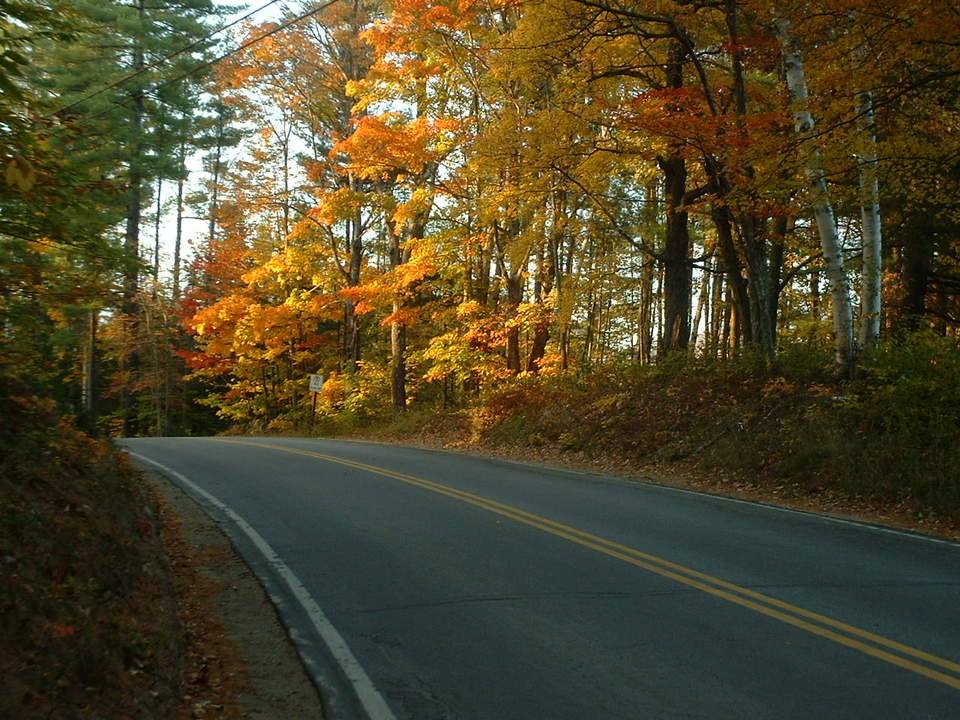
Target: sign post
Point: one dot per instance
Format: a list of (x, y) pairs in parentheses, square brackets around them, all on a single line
[(316, 385)]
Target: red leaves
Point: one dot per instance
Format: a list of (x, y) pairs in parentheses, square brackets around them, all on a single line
[(61, 631)]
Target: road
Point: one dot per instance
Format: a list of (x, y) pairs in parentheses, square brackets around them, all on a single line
[(423, 584)]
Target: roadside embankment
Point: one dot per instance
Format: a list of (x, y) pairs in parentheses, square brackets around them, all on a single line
[(884, 447), (119, 597)]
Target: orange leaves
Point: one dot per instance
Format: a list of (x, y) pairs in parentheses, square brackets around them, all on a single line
[(402, 316), (388, 146), (421, 15), (225, 310), (380, 292), (681, 122)]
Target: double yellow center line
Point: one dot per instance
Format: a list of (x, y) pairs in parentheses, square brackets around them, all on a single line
[(877, 646)]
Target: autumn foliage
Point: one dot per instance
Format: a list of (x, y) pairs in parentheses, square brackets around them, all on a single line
[(439, 204)]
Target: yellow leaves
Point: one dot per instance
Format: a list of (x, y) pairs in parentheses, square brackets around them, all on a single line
[(459, 355), (518, 251), (565, 302), (419, 204), (259, 274), (412, 272), (59, 317), (530, 314), (468, 309), (338, 205), (20, 173)]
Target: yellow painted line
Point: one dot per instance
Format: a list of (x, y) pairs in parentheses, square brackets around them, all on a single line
[(771, 607)]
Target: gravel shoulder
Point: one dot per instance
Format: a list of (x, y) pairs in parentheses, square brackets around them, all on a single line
[(240, 662)]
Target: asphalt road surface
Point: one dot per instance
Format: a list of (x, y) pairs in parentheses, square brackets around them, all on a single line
[(423, 584)]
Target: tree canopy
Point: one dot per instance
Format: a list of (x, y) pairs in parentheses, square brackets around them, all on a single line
[(422, 199)]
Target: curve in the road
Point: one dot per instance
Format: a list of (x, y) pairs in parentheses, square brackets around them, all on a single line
[(937, 668), (367, 694)]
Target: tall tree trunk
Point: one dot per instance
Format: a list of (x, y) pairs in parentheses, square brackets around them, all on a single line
[(778, 250), (514, 298), (511, 271), (917, 267), (130, 359), (215, 180), (285, 228), (89, 366), (155, 270), (398, 362), (351, 322), (151, 338), (815, 295), (676, 251), (399, 254), (844, 348), (729, 324), (871, 273), (548, 273), (645, 324), (178, 240), (676, 259), (702, 307), (735, 281), (717, 308)]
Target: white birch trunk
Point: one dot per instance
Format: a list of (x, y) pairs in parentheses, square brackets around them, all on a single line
[(820, 200), (871, 231), (701, 303)]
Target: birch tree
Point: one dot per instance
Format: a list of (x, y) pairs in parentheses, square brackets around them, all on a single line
[(821, 205), (871, 232)]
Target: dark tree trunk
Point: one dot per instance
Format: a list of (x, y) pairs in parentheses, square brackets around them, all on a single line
[(676, 259), (735, 279), (514, 298), (676, 253), (917, 268), (398, 363), (130, 359), (177, 245)]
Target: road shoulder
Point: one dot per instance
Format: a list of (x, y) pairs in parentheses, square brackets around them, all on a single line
[(241, 662)]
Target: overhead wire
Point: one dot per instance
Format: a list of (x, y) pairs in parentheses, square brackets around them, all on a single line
[(158, 63), (197, 68), (220, 58)]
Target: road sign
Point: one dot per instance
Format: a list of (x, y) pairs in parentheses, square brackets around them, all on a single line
[(316, 383)]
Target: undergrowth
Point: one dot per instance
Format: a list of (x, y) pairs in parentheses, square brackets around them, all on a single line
[(892, 435), (83, 627)]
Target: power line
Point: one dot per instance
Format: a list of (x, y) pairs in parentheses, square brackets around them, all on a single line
[(157, 63), (221, 58), (247, 44)]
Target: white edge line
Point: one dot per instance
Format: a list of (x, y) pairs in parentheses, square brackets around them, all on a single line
[(371, 699), (862, 524)]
